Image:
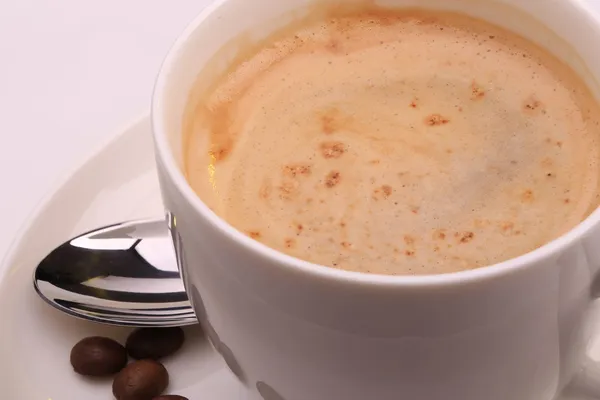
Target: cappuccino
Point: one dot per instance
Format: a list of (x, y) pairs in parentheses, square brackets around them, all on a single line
[(400, 142)]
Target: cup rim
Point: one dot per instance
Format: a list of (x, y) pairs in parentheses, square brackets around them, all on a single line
[(282, 260)]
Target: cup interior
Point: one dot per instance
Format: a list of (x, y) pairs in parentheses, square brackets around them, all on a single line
[(568, 29)]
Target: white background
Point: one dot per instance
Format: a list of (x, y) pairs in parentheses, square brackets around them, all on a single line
[(72, 73)]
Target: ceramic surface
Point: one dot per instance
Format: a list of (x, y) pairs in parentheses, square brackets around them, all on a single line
[(117, 183), (294, 330)]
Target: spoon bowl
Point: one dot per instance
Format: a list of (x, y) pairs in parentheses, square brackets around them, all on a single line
[(124, 274)]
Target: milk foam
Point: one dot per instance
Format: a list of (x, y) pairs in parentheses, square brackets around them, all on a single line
[(400, 142)]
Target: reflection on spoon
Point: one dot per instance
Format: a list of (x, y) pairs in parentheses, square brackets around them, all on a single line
[(124, 274)]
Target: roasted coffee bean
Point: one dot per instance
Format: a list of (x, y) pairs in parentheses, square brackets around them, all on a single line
[(141, 380), (154, 343), (170, 397), (98, 356)]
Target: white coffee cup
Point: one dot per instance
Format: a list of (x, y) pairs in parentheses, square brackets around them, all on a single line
[(298, 331)]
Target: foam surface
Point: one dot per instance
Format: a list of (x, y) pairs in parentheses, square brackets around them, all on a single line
[(400, 142)]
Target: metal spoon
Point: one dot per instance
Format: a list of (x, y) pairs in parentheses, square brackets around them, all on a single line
[(124, 274)]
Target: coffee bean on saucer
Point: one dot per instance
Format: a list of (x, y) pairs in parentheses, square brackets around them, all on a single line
[(154, 343), (98, 356), (141, 380), (170, 397)]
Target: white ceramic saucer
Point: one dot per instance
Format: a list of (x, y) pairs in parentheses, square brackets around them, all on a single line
[(117, 183)]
